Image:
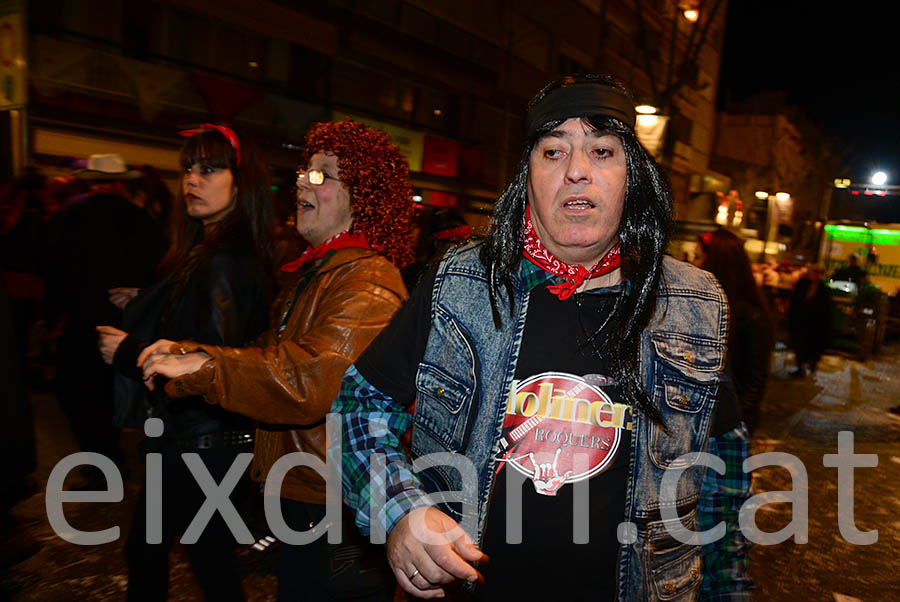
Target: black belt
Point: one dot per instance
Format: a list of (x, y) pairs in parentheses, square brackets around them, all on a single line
[(217, 439)]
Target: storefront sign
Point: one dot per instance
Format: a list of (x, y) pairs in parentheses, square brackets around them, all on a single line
[(409, 142)]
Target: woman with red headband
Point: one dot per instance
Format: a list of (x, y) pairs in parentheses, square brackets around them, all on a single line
[(354, 209), (214, 290)]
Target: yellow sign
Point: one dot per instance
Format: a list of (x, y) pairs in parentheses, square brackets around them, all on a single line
[(409, 142), (13, 83)]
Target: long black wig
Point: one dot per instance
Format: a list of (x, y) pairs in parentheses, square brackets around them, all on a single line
[(643, 232)]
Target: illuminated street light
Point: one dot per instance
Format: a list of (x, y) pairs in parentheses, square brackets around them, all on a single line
[(650, 126), (782, 196), (692, 15), (879, 178), (761, 195)]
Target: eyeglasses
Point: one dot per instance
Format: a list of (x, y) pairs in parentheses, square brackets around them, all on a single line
[(316, 177)]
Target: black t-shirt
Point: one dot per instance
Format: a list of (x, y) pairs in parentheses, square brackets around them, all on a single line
[(560, 428)]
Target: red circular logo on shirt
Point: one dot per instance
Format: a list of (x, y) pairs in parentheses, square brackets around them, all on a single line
[(559, 429)]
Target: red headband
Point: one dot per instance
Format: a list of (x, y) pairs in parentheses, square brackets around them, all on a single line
[(706, 239), (224, 130)]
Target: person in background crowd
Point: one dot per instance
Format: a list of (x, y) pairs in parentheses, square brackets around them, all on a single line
[(443, 228), (872, 257), (150, 192), (852, 272), (97, 242), (16, 441), (809, 319), (751, 336), (354, 209), (214, 289), (568, 303)]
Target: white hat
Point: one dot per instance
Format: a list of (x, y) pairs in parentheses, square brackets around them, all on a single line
[(106, 167)]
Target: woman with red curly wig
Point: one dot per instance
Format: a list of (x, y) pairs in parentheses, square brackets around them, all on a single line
[(354, 209)]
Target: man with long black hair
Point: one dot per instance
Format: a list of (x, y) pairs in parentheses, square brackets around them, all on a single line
[(568, 368)]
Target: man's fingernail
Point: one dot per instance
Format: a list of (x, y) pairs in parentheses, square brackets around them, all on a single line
[(472, 579)]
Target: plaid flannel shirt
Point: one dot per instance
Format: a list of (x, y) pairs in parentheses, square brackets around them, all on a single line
[(726, 562)]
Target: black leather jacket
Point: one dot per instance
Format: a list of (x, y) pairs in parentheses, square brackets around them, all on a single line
[(225, 302)]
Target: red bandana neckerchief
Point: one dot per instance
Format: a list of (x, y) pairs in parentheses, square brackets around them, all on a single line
[(343, 240), (574, 275)]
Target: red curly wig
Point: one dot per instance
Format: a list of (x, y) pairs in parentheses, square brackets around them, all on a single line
[(377, 176)]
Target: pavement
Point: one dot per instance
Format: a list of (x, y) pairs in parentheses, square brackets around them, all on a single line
[(801, 417)]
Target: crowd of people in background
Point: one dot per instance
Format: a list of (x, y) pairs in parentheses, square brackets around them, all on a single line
[(196, 309)]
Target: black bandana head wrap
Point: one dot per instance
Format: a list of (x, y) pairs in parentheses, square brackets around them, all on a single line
[(581, 99)]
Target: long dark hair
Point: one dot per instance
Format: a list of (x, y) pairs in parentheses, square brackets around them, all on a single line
[(250, 222), (726, 259), (643, 232)]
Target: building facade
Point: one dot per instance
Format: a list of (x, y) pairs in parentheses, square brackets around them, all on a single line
[(449, 80)]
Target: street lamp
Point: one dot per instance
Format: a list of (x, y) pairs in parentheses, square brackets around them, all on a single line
[(771, 223), (879, 178), (650, 127)]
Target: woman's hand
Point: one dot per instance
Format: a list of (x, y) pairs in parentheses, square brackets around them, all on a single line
[(171, 365), (122, 295), (109, 339)]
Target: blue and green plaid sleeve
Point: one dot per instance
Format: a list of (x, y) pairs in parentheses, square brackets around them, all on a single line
[(726, 562), (373, 424)]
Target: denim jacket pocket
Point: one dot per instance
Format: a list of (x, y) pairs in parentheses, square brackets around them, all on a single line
[(674, 566), (686, 378), (679, 578), (446, 391)]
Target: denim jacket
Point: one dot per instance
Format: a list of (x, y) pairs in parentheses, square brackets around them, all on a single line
[(462, 383)]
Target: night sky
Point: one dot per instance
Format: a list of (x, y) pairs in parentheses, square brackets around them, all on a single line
[(837, 62)]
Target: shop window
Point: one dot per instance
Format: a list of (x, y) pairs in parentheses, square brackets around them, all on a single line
[(310, 73), (189, 39), (418, 23), (570, 66), (681, 128)]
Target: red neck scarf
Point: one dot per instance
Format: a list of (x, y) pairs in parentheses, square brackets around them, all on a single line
[(343, 240), (574, 275)]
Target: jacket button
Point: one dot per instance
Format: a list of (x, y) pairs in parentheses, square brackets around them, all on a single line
[(669, 588), (689, 357), (694, 572), (440, 391), (177, 383)]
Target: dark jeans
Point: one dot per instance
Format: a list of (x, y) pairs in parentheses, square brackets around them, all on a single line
[(320, 572), (212, 558)]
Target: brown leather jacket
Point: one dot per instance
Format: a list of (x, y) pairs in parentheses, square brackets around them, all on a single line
[(294, 372)]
